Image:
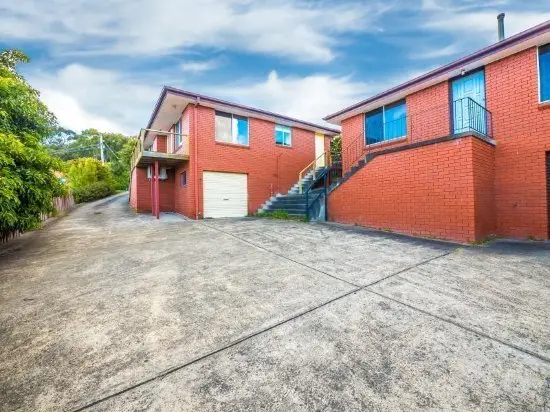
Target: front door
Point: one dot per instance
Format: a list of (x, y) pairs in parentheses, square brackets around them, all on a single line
[(319, 149), (469, 103)]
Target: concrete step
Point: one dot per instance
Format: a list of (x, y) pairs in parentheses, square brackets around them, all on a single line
[(289, 202)]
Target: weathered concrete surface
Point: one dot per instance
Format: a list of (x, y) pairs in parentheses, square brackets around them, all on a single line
[(361, 353), (345, 252), (96, 304), (502, 290), (236, 314)]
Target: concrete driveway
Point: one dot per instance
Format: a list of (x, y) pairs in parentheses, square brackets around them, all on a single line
[(108, 310)]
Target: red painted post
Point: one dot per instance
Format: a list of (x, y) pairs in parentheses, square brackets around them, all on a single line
[(157, 190), (152, 190)]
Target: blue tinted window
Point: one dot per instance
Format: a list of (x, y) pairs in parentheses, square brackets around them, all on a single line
[(241, 130), (374, 126), (231, 128), (282, 135), (544, 72), (395, 121), (386, 123)]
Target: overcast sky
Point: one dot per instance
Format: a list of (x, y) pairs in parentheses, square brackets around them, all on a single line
[(102, 64)]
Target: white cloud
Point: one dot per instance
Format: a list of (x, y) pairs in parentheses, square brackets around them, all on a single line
[(307, 98), (199, 66), (290, 28), (482, 25), (71, 115), (82, 97), (435, 53)]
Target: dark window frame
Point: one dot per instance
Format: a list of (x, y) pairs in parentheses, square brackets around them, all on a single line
[(183, 178), (382, 111)]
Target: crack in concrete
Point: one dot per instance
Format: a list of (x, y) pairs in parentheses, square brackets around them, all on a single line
[(173, 369), (460, 325)]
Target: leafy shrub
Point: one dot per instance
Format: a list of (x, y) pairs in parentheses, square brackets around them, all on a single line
[(93, 191), (27, 181), (86, 170)]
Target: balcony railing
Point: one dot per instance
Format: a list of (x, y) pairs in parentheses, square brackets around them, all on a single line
[(142, 157), (462, 116), (470, 116)]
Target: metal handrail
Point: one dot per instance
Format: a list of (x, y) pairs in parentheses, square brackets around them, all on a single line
[(306, 169), (323, 175), (474, 118)]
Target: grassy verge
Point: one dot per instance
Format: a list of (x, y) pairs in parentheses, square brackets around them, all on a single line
[(280, 215)]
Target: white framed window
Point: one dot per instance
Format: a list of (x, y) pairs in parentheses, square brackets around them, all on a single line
[(231, 128), (283, 135), (178, 138), (163, 174)]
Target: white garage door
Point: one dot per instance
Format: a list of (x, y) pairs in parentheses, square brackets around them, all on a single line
[(225, 194)]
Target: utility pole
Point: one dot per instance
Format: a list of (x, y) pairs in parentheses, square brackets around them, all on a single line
[(101, 148)]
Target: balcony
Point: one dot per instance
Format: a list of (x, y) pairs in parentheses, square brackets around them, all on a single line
[(142, 157)]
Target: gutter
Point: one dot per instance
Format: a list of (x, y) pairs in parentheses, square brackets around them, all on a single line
[(480, 54), (199, 97), (196, 156)]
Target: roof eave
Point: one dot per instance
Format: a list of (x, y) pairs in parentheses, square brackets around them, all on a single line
[(198, 97), (535, 31)]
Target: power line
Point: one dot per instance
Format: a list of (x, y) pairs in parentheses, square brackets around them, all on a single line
[(75, 149)]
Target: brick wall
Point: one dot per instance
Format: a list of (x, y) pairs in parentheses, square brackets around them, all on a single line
[(270, 168), (141, 189), (427, 191), (184, 200), (160, 144), (134, 189), (428, 113), (483, 164), (428, 117), (353, 141), (509, 182), (522, 131)]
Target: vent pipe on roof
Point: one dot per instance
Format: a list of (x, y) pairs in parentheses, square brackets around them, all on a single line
[(500, 19)]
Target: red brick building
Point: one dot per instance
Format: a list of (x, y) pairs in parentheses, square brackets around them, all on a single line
[(459, 153), (205, 157)]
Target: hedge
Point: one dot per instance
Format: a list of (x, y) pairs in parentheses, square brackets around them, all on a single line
[(93, 191)]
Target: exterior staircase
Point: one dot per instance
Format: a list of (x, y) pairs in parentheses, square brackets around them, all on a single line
[(293, 202)]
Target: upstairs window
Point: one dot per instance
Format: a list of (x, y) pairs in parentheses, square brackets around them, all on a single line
[(386, 123), (231, 128), (178, 138), (544, 73), (283, 135)]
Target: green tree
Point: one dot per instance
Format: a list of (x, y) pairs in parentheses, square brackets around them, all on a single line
[(336, 148), (27, 180), (120, 165), (90, 179), (85, 171), (68, 145)]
